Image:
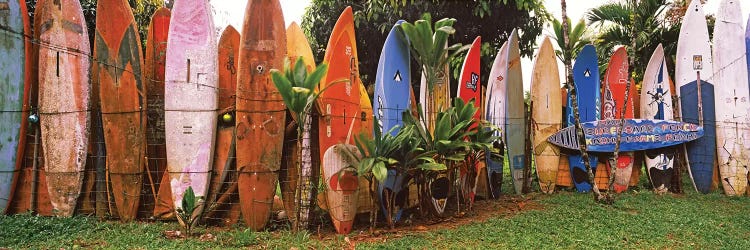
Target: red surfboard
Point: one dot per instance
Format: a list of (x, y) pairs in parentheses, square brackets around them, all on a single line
[(470, 89)]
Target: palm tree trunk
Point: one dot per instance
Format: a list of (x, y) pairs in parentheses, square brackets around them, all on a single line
[(573, 95), (305, 184)]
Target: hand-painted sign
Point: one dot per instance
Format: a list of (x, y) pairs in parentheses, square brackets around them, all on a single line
[(637, 134)]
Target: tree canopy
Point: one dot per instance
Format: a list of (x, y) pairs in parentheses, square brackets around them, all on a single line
[(492, 19)]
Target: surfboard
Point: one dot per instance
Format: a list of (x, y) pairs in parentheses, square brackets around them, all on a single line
[(341, 106), (365, 203), (223, 190), (613, 96), (495, 114), (190, 99), (586, 77), (545, 114), (64, 90), (14, 102), (392, 98), (747, 51), (563, 170), (470, 89), (695, 90), (119, 72), (297, 46), (637, 134), (732, 98), (656, 103), (439, 100), (515, 113), (261, 114), (156, 55)]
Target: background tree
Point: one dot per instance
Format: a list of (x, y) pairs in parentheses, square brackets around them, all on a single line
[(577, 38), (639, 24), (492, 19)]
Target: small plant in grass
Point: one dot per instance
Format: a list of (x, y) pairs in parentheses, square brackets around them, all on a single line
[(188, 214), (296, 87)]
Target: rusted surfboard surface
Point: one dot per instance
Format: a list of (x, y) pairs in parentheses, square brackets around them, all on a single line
[(15, 84), (261, 114), (156, 55), (190, 98), (225, 205), (119, 72), (64, 90)]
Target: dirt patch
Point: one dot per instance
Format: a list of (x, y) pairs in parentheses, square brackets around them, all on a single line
[(505, 207)]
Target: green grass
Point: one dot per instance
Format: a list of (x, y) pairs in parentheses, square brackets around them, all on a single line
[(639, 219)]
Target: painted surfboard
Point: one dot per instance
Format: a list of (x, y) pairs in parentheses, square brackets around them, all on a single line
[(156, 55), (14, 102), (515, 113), (495, 113), (392, 98), (732, 98), (365, 121), (190, 99), (613, 103), (695, 90), (586, 77), (439, 100), (637, 134), (119, 73), (261, 114), (656, 103), (341, 106), (546, 108), (297, 46), (470, 89), (223, 189), (64, 91)]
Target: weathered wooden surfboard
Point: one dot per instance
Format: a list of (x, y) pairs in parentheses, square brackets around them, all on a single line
[(16, 85), (297, 46), (586, 77), (155, 58), (656, 103), (613, 102), (495, 114), (392, 98), (470, 89), (341, 106), (223, 189), (64, 90), (365, 203), (732, 98), (439, 100), (119, 72), (695, 90), (190, 98), (341, 186), (546, 108), (261, 114)]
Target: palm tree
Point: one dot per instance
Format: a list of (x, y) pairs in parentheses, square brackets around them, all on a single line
[(638, 23), (576, 39)]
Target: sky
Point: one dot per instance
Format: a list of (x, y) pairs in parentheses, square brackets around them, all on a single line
[(232, 12)]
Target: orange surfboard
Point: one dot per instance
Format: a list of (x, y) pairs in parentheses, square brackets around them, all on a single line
[(261, 114), (63, 99), (223, 205), (118, 70), (156, 55), (342, 119)]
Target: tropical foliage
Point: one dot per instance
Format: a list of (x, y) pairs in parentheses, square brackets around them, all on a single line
[(577, 39), (639, 25)]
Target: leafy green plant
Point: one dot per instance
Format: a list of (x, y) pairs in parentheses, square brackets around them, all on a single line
[(188, 213), (297, 88)]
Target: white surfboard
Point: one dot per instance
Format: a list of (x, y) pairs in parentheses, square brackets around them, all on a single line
[(732, 101)]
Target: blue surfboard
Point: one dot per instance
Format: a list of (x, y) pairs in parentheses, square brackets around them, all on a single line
[(392, 98), (586, 80), (695, 64), (14, 94)]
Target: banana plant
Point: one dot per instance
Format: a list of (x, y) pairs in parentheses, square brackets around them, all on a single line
[(297, 87)]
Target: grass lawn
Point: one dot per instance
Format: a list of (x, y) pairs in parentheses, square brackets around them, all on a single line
[(639, 219)]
